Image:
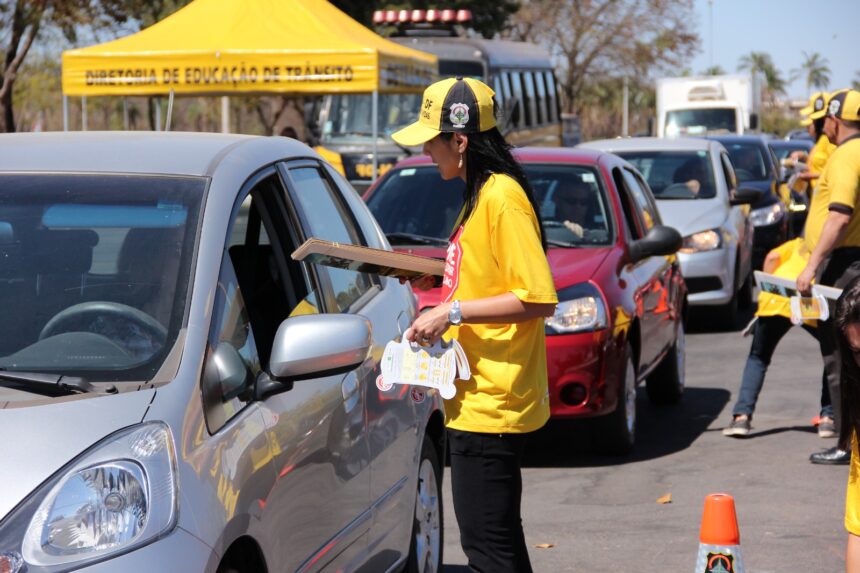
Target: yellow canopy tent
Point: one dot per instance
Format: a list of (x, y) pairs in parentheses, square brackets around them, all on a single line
[(248, 46), (222, 47)]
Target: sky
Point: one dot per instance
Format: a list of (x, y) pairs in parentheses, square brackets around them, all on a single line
[(784, 29)]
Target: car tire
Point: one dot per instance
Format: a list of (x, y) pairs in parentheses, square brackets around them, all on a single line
[(665, 385), (427, 543), (616, 432)]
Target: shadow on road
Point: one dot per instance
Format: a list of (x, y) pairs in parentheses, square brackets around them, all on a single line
[(703, 319), (662, 430)]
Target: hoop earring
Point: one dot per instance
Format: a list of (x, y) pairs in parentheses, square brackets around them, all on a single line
[(460, 163)]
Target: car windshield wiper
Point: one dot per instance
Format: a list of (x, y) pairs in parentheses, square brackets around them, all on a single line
[(567, 244), (412, 238), (51, 384)]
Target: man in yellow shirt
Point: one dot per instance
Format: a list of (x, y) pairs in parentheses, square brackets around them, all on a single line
[(832, 234), (814, 120)]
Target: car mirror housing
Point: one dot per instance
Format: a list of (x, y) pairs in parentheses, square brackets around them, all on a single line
[(660, 241), (745, 196), (313, 346)]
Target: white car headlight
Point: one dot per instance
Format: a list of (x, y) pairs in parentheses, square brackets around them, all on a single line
[(580, 309), (702, 242), (767, 215), (119, 495)]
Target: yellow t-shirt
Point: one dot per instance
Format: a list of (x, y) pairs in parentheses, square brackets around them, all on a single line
[(839, 190), (793, 257), (852, 496), (498, 250), (819, 154)]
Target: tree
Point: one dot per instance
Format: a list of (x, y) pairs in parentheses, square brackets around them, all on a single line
[(856, 82), (762, 63), (598, 40), (23, 21), (713, 71), (815, 70)]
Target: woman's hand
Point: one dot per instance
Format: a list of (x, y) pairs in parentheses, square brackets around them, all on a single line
[(430, 326), (424, 282)]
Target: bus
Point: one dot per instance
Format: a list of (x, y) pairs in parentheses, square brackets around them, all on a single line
[(521, 74)]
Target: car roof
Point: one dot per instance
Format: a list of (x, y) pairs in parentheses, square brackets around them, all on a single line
[(168, 153), (649, 143), (530, 155), (734, 138), (791, 143)]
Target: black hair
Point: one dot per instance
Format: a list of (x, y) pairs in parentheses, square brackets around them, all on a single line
[(818, 125), (848, 312), (488, 153)]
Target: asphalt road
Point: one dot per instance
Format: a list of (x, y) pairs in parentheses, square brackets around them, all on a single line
[(601, 513)]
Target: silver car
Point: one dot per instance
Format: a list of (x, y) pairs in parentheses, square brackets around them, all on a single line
[(178, 393), (696, 191)]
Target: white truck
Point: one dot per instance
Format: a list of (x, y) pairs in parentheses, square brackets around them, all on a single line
[(707, 104)]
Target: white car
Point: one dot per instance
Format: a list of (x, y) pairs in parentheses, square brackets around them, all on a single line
[(695, 187)]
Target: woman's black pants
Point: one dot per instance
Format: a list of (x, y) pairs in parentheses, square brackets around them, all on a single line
[(487, 489)]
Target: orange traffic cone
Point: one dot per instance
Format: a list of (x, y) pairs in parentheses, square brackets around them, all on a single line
[(719, 538)]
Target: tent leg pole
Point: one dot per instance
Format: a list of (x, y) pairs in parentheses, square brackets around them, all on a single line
[(225, 114), (83, 113), (125, 121), (65, 113), (169, 111), (374, 118), (157, 114)]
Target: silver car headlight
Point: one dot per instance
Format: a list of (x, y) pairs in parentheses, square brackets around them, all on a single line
[(702, 242), (116, 497), (580, 309), (769, 215)]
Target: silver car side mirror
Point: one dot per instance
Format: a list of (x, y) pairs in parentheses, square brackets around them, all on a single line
[(313, 346)]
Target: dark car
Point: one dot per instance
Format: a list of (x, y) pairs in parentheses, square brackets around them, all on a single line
[(622, 298), (756, 166)]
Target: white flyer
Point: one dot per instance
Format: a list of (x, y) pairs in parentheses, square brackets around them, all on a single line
[(435, 366)]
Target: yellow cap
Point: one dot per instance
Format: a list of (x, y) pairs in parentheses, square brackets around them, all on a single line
[(454, 105), (805, 122), (816, 108), (845, 105)]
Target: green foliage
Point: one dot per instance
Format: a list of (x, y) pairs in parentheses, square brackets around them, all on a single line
[(713, 71), (762, 63), (815, 71), (777, 122)]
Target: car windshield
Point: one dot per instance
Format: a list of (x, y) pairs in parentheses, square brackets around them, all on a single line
[(95, 271), (749, 161), (783, 151), (416, 202), (350, 116), (675, 174), (699, 121)]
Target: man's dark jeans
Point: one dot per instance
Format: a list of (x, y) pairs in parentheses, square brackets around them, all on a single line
[(769, 330), (487, 488)]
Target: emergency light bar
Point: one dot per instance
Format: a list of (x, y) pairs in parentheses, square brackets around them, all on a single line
[(446, 16)]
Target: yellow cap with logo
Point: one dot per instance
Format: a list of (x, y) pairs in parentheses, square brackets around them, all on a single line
[(845, 105), (816, 108), (454, 105)]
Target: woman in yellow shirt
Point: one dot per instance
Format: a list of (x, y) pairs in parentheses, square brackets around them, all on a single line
[(847, 325), (496, 292)]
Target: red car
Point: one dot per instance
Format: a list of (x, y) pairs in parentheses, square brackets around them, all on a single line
[(620, 319)]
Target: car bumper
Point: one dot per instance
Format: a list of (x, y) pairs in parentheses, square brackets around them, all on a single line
[(179, 552), (577, 366), (709, 277)]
